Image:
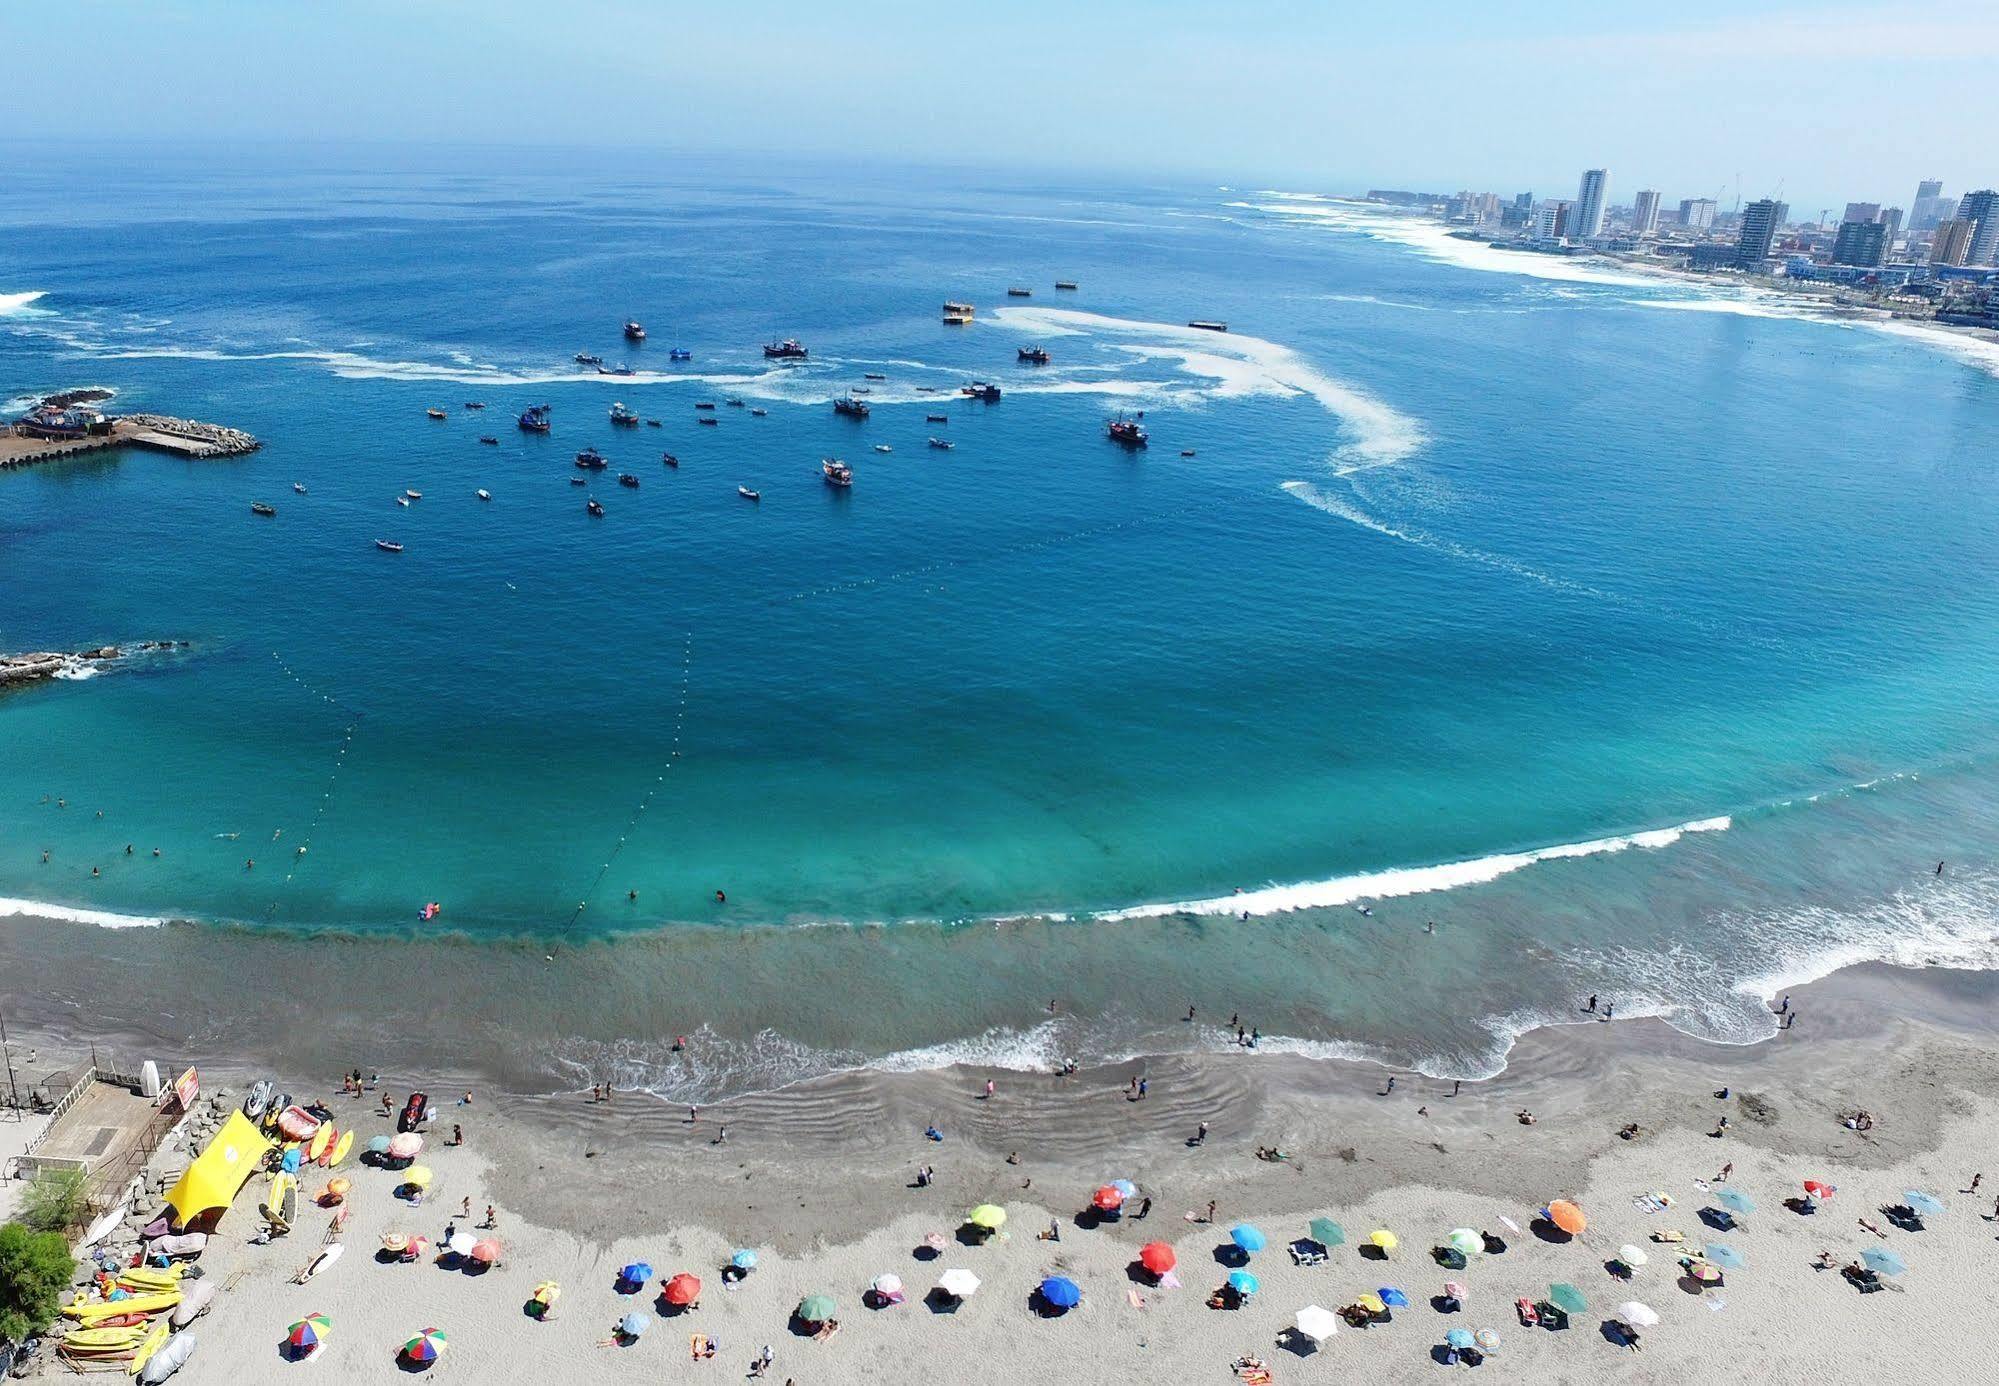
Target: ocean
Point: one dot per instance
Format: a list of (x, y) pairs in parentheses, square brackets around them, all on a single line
[(1638, 637)]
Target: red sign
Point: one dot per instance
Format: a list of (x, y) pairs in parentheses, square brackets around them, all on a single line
[(187, 1087)]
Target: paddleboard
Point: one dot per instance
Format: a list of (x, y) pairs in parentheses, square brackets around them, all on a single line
[(101, 1228), (340, 1149), (321, 1139), (154, 1341), (320, 1263)]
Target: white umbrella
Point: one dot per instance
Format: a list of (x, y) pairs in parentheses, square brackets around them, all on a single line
[(1317, 1324), (888, 1284), (959, 1284), (461, 1244), (1632, 1256), (1636, 1314)]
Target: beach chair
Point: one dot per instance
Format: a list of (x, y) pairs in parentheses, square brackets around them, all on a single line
[(1672, 1236), (1306, 1252)]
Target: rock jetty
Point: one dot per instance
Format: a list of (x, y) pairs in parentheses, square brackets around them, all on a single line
[(33, 667)]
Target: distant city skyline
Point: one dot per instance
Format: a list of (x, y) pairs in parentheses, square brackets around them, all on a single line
[(1696, 103)]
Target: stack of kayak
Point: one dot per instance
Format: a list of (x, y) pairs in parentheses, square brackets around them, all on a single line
[(129, 1320)]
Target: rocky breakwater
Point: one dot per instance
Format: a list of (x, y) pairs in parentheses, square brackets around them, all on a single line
[(36, 666), (189, 437)]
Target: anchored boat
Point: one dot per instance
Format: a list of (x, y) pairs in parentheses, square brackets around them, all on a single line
[(790, 349), (838, 473)]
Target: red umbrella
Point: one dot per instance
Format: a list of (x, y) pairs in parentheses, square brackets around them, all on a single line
[(486, 1252), (1157, 1257), (1818, 1189), (1107, 1199), (683, 1289)]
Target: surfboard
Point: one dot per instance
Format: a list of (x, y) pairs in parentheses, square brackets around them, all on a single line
[(340, 1149), (153, 1342), (321, 1139), (320, 1262)]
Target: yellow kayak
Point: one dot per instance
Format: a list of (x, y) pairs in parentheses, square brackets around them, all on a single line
[(154, 1342), (90, 1312), (105, 1339)]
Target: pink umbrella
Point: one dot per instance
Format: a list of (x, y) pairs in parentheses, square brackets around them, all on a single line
[(486, 1252), (405, 1145)]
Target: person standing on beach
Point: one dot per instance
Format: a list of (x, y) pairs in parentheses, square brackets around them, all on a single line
[(989, 1089), (1201, 1134), (1211, 1210), (693, 1113), (1591, 1007), (1142, 1086)]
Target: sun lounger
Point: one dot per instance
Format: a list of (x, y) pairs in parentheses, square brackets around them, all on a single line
[(1305, 1252)]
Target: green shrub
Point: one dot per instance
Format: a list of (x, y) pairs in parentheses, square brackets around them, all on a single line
[(58, 1200), (35, 1270)]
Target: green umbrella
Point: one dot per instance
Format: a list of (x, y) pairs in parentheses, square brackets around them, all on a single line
[(816, 1308), (1567, 1298), (1326, 1232), (1465, 1242)]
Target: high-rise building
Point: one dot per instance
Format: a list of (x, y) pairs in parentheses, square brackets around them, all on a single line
[(1929, 211), (1862, 211), (1586, 223), (1760, 221), (1554, 220), (1981, 208), (1645, 212), (1891, 217), (1951, 242), (1863, 243), (1697, 213), (1929, 187)]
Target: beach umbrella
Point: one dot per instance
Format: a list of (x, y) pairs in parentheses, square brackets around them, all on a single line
[(1107, 1200), (417, 1247), (461, 1244), (1882, 1262), (1061, 1292), (1243, 1283), (936, 1240), (485, 1252), (1460, 1338), (817, 1308), (1246, 1237), (427, 1346), (338, 1188), (682, 1290), (959, 1284), (1636, 1314), (1567, 1298), (1373, 1303), (1317, 1324), (1126, 1188), (1384, 1239), (1703, 1272), (1157, 1257), (547, 1293), (632, 1325), (405, 1145), (1394, 1298), (1722, 1254), (419, 1175), (990, 1216), (1819, 1189), (887, 1285), (1929, 1205), (1735, 1200), (309, 1332), (1327, 1233), (637, 1273), (1456, 1291), (379, 1145), (397, 1242), (1632, 1256), (744, 1259), (1487, 1338), (1464, 1241), (1567, 1216)]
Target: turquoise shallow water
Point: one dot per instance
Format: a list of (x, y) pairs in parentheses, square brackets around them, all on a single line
[(1467, 564)]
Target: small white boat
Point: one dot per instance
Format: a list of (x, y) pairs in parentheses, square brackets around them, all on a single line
[(484, 494), (747, 494), (942, 444), (299, 486), (883, 447), (388, 546), (414, 495), (403, 501)]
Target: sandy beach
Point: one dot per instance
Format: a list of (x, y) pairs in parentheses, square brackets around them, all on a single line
[(818, 1180)]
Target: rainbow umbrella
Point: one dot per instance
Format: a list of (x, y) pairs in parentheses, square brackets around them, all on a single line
[(1703, 1272), (1243, 1283), (309, 1332), (1487, 1338), (1246, 1237), (427, 1346)]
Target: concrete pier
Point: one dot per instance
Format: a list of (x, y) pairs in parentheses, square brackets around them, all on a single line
[(187, 438)]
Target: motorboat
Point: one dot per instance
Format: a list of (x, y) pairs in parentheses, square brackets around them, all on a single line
[(624, 417), (747, 494), (790, 349), (1034, 355), (838, 473), (669, 459), (873, 375), (1186, 452), (861, 390), (704, 404), (1126, 431), (680, 354), (436, 413), (634, 332), (851, 407), (490, 441), (1020, 293), (958, 314), (883, 447), (578, 481), (584, 358), (388, 546), (299, 486), (616, 370), (1208, 325), (591, 460), (483, 493), (475, 404), (710, 420), (593, 507), (759, 413), (979, 389), (937, 418), (259, 508), (403, 501), (733, 403), (627, 479), (1065, 284), (414, 495), (535, 419), (654, 423), (942, 444)]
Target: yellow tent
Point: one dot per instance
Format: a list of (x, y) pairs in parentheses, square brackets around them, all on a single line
[(216, 1175)]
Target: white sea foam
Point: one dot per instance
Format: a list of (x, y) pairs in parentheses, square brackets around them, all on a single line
[(1242, 366), (12, 305), (103, 919), (1395, 882)]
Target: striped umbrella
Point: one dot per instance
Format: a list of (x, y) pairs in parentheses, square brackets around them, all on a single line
[(309, 1332), (427, 1346)]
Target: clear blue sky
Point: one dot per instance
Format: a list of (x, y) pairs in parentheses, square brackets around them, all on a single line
[(1844, 101)]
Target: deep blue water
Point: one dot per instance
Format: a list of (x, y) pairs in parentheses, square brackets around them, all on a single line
[(1556, 564)]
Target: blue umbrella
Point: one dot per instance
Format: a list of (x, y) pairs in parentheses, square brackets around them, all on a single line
[(1246, 1237), (378, 1145), (1882, 1262), (1460, 1338), (1393, 1297), (1125, 1187), (743, 1260), (1061, 1291), (632, 1324), (1929, 1205), (1724, 1255), (637, 1273), (1735, 1201), (1242, 1282)]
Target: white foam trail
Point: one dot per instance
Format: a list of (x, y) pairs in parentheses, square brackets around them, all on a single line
[(103, 919), (1242, 366), (1396, 882), (12, 304)]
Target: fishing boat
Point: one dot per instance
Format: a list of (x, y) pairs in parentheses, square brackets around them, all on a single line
[(704, 404), (958, 314), (259, 508), (873, 375), (851, 407), (624, 417), (634, 332), (669, 459), (436, 413), (403, 501), (937, 418), (475, 404), (590, 459), (1065, 284), (388, 546), (1034, 355), (979, 389), (535, 419), (1186, 452), (711, 422), (654, 423), (299, 486), (747, 494), (483, 494), (943, 444), (1020, 293), (838, 473), (584, 358), (490, 441), (733, 403), (883, 447), (759, 413), (680, 354), (627, 479), (578, 481), (1126, 431), (1207, 325), (790, 349), (593, 507), (414, 495), (616, 370)]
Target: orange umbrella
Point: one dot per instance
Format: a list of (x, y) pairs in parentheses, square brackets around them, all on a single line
[(683, 1289), (1567, 1216), (1157, 1257)]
